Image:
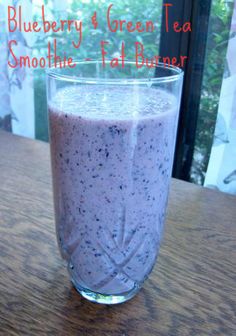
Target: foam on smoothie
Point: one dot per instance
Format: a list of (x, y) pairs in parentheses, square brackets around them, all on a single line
[(106, 103)]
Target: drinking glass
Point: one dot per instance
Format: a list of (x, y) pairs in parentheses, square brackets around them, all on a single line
[(112, 135)]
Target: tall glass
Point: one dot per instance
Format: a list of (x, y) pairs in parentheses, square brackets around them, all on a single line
[(112, 135)]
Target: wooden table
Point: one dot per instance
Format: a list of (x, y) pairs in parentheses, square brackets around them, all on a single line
[(192, 290)]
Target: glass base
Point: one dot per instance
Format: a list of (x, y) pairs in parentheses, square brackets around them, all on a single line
[(103, 298)]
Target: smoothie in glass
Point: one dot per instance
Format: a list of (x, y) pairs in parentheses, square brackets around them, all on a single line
[(112, 153)]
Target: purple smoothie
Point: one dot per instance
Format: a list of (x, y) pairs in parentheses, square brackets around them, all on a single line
[(112, 152)]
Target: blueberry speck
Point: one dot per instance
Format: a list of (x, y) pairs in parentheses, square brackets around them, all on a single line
[(67, 161), (61, 155), (114, 130)]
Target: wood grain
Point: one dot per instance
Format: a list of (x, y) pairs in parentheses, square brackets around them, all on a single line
[(190, 292)]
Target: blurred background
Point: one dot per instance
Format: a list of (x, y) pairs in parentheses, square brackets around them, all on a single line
[(206, 145)]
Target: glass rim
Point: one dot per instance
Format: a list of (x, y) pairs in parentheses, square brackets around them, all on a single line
[(56, 72)]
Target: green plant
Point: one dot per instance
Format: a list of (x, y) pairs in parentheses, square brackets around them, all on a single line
[(218, 37)]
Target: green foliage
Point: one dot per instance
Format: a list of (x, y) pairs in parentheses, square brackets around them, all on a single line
[(218, 37), (41, 119)]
